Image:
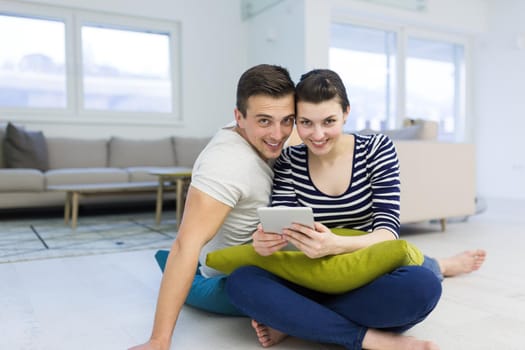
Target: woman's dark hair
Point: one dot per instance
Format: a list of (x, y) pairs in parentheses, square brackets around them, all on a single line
[(264, 79), (321, 85)]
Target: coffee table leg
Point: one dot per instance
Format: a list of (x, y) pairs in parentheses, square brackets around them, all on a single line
[(67, 208), (74, 215), (443, 223), (158, 208)]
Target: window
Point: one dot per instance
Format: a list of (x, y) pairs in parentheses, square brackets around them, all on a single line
[(86, 64), (365, 58), (125, 70), (32, 63), (391, 75), (433, 71)]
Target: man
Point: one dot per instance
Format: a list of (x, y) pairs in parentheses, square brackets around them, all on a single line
[(231, 178)]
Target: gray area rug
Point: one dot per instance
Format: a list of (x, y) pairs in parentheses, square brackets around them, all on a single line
[(30, 239)]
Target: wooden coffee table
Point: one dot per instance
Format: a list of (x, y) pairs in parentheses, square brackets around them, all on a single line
[(76, 191), (181, 177)]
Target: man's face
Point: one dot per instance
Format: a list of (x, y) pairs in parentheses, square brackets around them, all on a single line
[(268, 123)]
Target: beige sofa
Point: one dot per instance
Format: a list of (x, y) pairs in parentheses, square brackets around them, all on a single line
[(438, 180), (87, 161)]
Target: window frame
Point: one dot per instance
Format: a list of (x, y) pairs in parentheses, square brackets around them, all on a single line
[(403, 32), (73, 20)]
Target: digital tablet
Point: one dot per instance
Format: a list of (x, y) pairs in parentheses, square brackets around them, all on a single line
[(275, 219)]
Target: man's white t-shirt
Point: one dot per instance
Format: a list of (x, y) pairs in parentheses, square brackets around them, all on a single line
[(232, 172)]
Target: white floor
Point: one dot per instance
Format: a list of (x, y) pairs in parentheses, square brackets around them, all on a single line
[(107, 301)]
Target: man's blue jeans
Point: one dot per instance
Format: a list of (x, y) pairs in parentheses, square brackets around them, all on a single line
[(206, 293)]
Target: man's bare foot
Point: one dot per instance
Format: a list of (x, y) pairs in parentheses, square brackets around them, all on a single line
[(466, 262), (267, 336)]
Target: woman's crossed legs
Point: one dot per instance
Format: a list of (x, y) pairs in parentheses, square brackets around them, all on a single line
[(369, 317)]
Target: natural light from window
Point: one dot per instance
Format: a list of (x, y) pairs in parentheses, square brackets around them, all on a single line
[(432, 87), (433, 70), (365, 60), (126, 70), (32, 63)]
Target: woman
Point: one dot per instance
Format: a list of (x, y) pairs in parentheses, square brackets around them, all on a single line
[(367, 199)]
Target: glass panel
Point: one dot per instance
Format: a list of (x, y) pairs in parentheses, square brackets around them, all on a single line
[(365, 59), (126, 70), (433, 76), (32, 63)]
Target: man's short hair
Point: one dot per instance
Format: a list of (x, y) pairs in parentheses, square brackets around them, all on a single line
[(263, 79)]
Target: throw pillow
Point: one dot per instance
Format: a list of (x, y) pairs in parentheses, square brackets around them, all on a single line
[(331, 274), (25, 149)]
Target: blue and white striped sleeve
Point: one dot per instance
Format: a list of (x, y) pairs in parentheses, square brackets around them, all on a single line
[(384, 169)]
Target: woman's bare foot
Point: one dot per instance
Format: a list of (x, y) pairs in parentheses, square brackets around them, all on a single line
[(267, 336), (466, 262), (379, 340)]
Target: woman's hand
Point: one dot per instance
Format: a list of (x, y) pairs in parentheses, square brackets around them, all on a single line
[(314, 243), (267, 243)]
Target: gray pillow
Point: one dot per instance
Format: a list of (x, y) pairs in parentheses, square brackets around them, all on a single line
[(25, 149)]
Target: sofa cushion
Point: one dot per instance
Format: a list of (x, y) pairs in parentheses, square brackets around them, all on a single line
[(85, 176), (187, 149), (14, 180), (25, 149), (125, 153), (77, 153)]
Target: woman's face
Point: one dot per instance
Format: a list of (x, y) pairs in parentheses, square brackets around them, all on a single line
[(320, 125)]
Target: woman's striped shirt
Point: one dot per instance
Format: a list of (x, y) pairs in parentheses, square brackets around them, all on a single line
[(371, 200)]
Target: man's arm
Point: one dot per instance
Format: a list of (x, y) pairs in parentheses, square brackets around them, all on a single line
[(194, 233)]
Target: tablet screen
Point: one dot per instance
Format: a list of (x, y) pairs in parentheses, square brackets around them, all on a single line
[(275, 219)]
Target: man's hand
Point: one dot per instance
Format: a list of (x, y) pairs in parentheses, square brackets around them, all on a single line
[(267, 243), (150, 345)]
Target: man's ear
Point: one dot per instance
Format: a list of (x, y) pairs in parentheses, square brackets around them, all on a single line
[(238, 116)]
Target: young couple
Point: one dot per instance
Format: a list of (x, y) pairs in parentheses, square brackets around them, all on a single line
[(349, 180)]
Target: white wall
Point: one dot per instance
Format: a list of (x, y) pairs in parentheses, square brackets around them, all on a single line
[(499, 95), (213, 57), (465, 16), (276, 36)]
